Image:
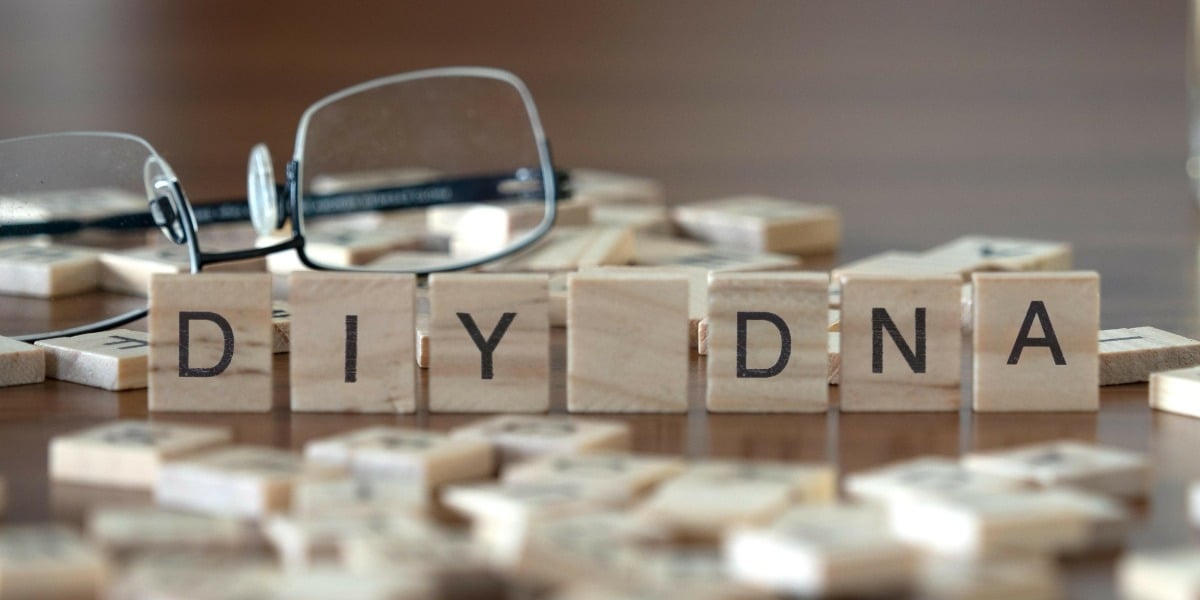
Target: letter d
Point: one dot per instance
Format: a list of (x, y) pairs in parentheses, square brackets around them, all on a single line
[(185, 322)]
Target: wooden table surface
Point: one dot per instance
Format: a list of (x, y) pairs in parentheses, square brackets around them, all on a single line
[(921, 121)]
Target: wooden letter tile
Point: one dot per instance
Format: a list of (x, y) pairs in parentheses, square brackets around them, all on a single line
[(360, 495), (923, 476), (21, 363), (489, 343), (767, 342), (144, 529), (110, 360), (627, 342), (664, 251), (569, 248), (762, 224), (1160, 574), (425, 457), (1102, 469), (1025, 577), (210, 343), (519, 437), (602, 187), (1131, 355), (1176, 392), (627, 476), (127, 454), (47, 271), (129, 271), (983, 253), (1035, 341), (48, 561), (901, 343), (352, 342)]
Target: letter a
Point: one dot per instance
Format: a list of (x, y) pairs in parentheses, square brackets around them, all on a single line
[(1037, 308), (785, 345), (185, 322)]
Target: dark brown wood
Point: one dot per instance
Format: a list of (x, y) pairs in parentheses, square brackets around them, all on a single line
[(921, 120)]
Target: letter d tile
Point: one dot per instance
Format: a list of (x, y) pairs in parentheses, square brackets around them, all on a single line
[(210, 342)]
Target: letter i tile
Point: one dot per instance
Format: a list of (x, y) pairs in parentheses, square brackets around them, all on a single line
[(767, 342)]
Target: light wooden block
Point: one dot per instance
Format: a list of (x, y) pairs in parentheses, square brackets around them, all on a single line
[(627, 342), (146, 529), (191, 575), (129, 271), (281, 323), (651, 219), (697, 278), (520, 437), (557, 307), (47, 271), (351, 343), (21, 363), (570, 248), (835, 358), (488, 228), (767, 342), (237, 481), (629, 476), (110, 360), (420, 552), (827, 551), (127, 454), (892, 262), (1025, 577), (597, 187), (762, 224), (1015, 376), (1131, 355), (489, 343), (413, 261), (226, 370), (49, 561), (1176, 392), (360, 495), (987, 253), (347, 246), (932, 475), (920, 371), (712, 498), (664, 251), (300, 541), (1107, 520), (1102, 469), (1160, 574), (427, 458)]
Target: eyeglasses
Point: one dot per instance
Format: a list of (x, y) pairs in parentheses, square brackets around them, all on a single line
[(402, 174)]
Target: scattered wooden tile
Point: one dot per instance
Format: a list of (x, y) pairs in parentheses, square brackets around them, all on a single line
[(917, 365), (427, 458), (985, 253), (417, 552), (48, 561), (360, 495), (21, 363), (325, 581), (835, 550), (1108, 522), (629, 476), (301, 541), (110, 360), (1160, 574), (1035, 346), (47, 271), (210, 343), (1102, 469), (892, 262), (518, 437), (127, 454), (923, 476), (557, 307), (411, 261), (129, 271), (1176, 392), (835, 358), (596, 187), (834, 320), (351, 343), (702, 337), (281, 323), (712, 498), (1026, 577), (129, 529), (651, 219), (606, 371), (767, 342), (762, 224), (489, 228), (191, 575), (490, 343), (348, 246), (570, 248), (238, 481), (664, 251), (1131, 355)]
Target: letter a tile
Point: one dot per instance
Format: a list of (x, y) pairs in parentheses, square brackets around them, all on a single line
[(352, 342), (901, 342), (767, 342), (489, 343), (1035, 341), (210, 343)]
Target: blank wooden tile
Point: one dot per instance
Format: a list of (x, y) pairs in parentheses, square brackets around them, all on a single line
[(1026, 577), (347, 246), (417, 552), (569, 248), (627, 342), (595, 187), (985, 253), (519, 437), (47, 271), (281, 323), (48, 561), (1022, 366), (835, 551), (110, 360), (21, 363), (629, 476), (141, 528), (641, 218), (1108, 522), (762, 224), (190, 575), (697, 278), (238, 481), (712, 498), (652, 250), (767, 342), (129, 271), (1160, 574), (892, 262), (923, 476), (488, 228), (351, 343), (901, 342), (301, 541), (428, 458), (211, 369), (360, 494), (1131, 355), (127, 454), (1176, 392), (489, 343), (1103, 469)]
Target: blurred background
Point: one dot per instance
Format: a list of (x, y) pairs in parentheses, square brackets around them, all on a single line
[(1022, 113)]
